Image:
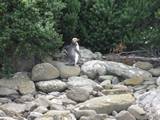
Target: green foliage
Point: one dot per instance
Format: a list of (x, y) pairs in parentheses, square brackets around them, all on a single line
[(104, 23), (69, 23), (28, 28)]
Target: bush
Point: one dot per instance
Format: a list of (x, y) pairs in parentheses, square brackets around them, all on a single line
[(105, 23), (28, 28)]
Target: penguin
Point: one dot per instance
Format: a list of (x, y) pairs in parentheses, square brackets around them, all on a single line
[(72, 52)]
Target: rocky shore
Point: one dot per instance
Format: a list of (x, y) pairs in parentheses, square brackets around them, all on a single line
[(97, 90)]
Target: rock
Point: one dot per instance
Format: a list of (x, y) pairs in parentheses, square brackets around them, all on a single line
[(107, 104), (30, 106), (116, 89), (82, 82), (80, 113), (137, 112), (20, 81), (136, 80), (86, 55), (155, 72), (98, 56), (106, 77), (27, 97), (5, 100), (106, 83), (150, 81), (45, 118), (140, 87), (150, 101), (42, 101), (114, 80), (2, 114), (6, 118), (51, 86), (78, 94), (158, 81), (34, 115), (44, 71), (125, 115), (143, 65), (94, 68), (17, 108), (125, 71), (41, 109), (113, 91), (96, 117), (65, 70), (7, 91), (60, 115)]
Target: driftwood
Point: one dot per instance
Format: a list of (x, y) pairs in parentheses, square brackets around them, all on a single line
[(130, 59)]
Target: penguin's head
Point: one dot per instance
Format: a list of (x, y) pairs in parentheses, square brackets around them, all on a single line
[(74, 40)]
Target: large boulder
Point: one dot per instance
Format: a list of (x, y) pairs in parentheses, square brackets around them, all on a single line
[(82, 82), (20, 81), (51, 85), (150, 101), (125, 71), (107, 104), (44, 71), (94, 68), (66, 70)]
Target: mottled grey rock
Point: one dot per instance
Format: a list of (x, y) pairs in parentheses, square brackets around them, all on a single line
[(150, 101), (106, 83), (41, 109), (60, 115), (7, 91), (30, 106), (44, 71), (94, 68), (82, 82), (107, 104), (51, 86), (5, 100), (66, 70), (42, 101), (34, 115), (96, 117), (17, 108), (2, 114), (143, 65), (28, 97), (80, 113), (78, 94), (155, 72), (86, 55), (137, 112), (21, 82), (125, 115), (125, 71), (6, 118), (158, 81)]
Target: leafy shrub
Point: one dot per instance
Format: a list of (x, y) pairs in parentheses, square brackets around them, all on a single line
[(28, 28)]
